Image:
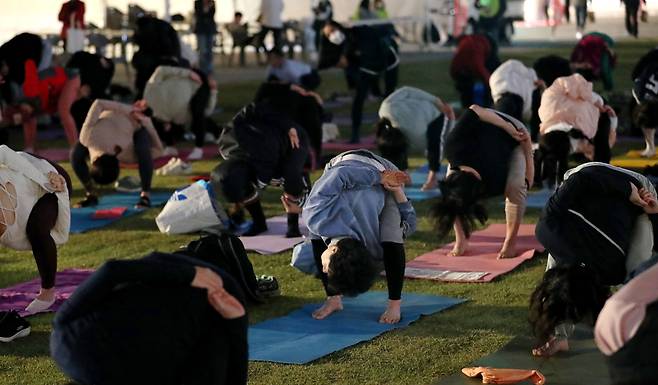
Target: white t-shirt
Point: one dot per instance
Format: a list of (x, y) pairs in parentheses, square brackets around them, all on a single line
[(270, 11)]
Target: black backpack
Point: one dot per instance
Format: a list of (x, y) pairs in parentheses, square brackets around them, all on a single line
[(227, 252)]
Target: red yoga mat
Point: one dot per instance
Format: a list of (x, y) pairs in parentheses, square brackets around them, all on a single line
[(480, 263)]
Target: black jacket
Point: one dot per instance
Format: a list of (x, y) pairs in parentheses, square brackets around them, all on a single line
[(204, 22), (259, 134)]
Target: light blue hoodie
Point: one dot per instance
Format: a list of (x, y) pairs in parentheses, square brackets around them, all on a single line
[(347, 200)]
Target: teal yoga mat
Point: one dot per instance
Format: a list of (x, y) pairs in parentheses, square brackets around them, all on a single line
[(81, 218), (298, 338)]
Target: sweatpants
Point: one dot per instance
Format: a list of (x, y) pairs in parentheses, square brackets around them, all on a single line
[(393, 258), (434, 134), (364, 81), (142, 148)]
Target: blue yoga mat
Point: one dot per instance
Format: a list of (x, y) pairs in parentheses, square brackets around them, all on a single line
[(81, 218), (539, 198), (298, 338), (418, 177)]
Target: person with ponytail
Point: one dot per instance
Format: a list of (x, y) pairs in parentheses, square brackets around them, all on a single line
[(490, 154), (413, 120), (598, 228)]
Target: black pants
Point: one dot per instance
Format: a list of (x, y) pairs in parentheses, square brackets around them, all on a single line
[(632, 8), (602, 151), (510, 104), (434, 130), (364, 81), (41, 221), (235, 179), (535, 122), (581, 16), (394, 265), (142, 146), (277, 34)]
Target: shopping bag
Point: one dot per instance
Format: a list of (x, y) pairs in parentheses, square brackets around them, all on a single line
[(302, 258), (75, 40), (190, 210)]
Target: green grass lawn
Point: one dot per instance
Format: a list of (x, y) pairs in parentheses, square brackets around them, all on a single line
[(432, 347)]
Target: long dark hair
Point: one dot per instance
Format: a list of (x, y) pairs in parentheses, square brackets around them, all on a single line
[(460, 199), (566, 293), (392, 143)]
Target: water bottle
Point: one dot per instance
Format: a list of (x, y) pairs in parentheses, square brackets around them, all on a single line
[(478, 93)]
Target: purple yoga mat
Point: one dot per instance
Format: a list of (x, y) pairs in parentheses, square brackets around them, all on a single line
[(17, 297), (367, 143), (274, 240)]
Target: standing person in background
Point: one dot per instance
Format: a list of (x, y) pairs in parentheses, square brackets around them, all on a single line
[(205, 29), (581, 16), (72, 15), (632, 8), (323, 11), (475, 59), (380, 9), (271, 21)]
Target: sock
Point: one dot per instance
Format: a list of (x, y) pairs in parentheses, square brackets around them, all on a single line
[(293, 226)]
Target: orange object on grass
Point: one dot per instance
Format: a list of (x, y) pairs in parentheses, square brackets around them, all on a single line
[(505, 376)]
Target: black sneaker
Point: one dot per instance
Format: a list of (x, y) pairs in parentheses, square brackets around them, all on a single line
[(13, 326), (268, 286)]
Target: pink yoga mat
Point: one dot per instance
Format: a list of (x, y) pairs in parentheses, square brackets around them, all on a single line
[(480, 263), (367, 143), (17, 297), (54, 154), (274, 240)]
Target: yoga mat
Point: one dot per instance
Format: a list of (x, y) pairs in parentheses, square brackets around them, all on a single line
[(480, 263), (538, 199), (209, 152), (17, 297), (418, 178), (54, 154), (582, 364), (298, 338), (416, 194), (82, 218), (633, 160), (367, 143), (274, 240)]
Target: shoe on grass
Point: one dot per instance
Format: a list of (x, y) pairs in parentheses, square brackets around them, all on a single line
[(128, 184), (13, 326), (196, 154), (268, 286)]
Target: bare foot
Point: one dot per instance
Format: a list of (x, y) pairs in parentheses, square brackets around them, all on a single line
[(392, 313), (46, 295), (508, 251), (331, 305), (553, 346), (429, 185), (648, 152), (458, 249)]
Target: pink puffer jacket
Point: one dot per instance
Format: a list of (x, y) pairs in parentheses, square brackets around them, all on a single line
[(570, 100)]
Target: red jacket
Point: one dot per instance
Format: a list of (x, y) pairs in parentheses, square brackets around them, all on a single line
[(46, 88), (65, 12), (470, 58)]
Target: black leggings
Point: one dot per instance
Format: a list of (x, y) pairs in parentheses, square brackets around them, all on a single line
[(602, 151), (434, 130), (41, 221), (142, 146), (632, 8), (464, 85), (394, 264), (364, 83)]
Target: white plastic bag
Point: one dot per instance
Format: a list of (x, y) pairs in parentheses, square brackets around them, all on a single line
[(302, 258), (190, 210), (75, 40)]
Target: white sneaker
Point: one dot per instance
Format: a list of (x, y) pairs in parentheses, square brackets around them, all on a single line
[(579, 35), (178, 168), (38, 306), (170, 151), (209, 138), (196, 154), (168, 165)]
